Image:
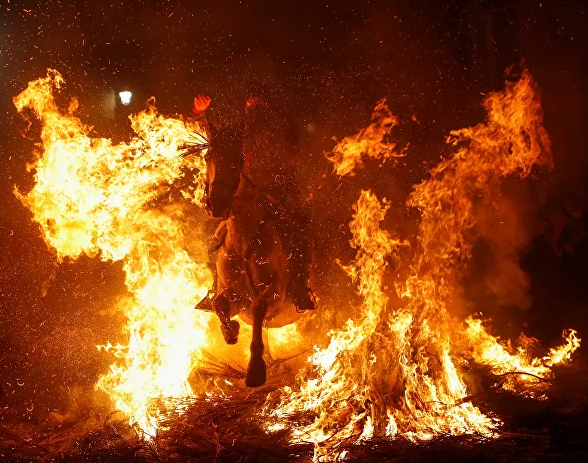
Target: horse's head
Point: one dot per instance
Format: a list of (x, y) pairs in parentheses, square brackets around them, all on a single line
[(224, 163)]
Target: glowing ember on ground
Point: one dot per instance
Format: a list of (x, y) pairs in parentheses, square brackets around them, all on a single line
[(390, 370)]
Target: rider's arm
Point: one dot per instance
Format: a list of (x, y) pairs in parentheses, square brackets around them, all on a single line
[(201, 104)]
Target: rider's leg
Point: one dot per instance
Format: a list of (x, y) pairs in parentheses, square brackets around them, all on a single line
[(301, 265), (296, 226)]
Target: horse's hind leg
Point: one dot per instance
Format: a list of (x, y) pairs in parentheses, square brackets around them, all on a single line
[(229, 328), (256, 370)]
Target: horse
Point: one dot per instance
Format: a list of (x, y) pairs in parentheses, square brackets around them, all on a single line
[(254, 264)]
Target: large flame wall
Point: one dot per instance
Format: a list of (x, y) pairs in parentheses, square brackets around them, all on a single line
[(391, 370)]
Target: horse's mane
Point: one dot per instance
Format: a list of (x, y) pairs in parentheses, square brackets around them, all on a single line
[(196, 144), (226, 137)]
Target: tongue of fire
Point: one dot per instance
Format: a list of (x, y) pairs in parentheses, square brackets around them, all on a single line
[(389, 370), (93, 197)]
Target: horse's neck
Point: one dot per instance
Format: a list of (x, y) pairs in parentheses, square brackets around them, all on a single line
[(247, 194), (252, 211)]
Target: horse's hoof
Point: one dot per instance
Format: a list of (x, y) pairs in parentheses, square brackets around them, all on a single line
[(231, 334), (255, 372)]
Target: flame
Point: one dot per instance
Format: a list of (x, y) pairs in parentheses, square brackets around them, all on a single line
[(334, 390), (564, 352), (97, 198), (371, 141), (353, 386), (502, 359), (399, 371)]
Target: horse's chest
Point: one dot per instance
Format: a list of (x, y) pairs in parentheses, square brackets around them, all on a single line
[(244, 233), (236, 263), (239, 244)]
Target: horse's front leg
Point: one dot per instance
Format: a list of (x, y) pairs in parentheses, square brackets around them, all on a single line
[(256, 371), (229, 328), (221, 305), (229, 272)]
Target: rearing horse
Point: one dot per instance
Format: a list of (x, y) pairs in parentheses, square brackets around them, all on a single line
[(253, 265)]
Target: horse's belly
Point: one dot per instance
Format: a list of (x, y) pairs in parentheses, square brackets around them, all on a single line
[(279, 314)]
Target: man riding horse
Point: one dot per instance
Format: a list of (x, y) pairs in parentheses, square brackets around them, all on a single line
[(260, 272), (270, 146)]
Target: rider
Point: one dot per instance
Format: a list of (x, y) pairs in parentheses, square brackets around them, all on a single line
[(270, 148)]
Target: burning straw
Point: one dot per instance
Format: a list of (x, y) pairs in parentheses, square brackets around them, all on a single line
[(400, 371)]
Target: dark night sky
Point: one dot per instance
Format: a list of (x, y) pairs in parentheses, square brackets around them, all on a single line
[(326, 63)]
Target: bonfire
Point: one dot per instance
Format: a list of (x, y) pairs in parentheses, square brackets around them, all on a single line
[(399, 369)]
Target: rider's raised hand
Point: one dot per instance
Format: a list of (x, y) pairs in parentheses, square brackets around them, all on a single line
[(201, 103)]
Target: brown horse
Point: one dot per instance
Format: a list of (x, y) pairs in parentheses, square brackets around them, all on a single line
[(255, 259)]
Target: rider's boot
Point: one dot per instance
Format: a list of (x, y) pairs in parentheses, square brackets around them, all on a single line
[(302, 294), (301, 265)]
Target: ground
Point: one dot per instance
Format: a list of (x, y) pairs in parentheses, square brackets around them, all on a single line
[(553, 430)]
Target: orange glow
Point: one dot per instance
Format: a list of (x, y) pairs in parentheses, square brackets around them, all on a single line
[(92, 197), (393, 369)]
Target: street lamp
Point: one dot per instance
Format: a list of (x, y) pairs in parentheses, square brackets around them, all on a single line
[(125, 97)]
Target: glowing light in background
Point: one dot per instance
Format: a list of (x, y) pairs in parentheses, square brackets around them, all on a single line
[(125, 97)]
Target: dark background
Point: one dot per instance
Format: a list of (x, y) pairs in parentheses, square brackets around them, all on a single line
[(326, 63)]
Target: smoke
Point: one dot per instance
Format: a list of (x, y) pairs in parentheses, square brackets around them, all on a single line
[(505, 229)]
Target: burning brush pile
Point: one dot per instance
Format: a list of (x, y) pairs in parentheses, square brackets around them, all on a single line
[(392, 370)]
